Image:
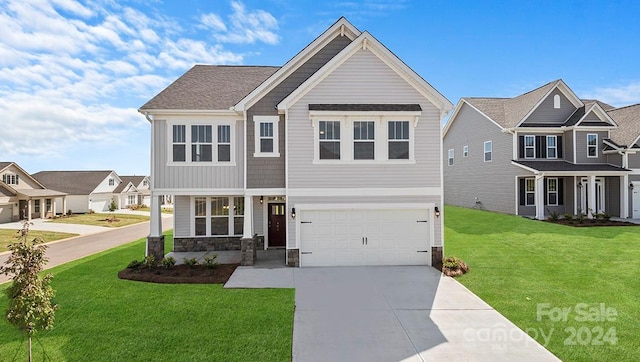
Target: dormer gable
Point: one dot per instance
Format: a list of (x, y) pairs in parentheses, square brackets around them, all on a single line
[(554, 108), (595, 116)]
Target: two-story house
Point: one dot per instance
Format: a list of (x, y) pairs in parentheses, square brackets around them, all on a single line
[(542, 152), (335, 156)]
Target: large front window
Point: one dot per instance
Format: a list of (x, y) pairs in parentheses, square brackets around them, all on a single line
[(363, 140), (201, 143), (218, 215), (592, 145), (329, 140), (398, 140)]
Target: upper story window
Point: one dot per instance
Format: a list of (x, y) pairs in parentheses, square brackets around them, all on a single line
[(529, 146), (465, 151), (488, 151), (450, 154), (556, 101), (592, 145), (552, 147), (10, 179), (266, 136), (201, 144), (398, 140), (145, 182), (111, 182), (363, 140), (329, 140)]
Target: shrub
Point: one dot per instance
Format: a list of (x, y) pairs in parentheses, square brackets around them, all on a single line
[(554, 216), (150, 261), (69, 213), (210, 261), (580, 217), (567, 216), (190, 261), (453, 267), (606, 216), (168, 262), (135, 264)]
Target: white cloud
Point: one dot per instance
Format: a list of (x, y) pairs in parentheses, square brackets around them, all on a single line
[(245, 26), (618, 96)]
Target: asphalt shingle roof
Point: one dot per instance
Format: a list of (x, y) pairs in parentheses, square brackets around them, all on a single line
[(135, 180), (71, 182), (628, 121), (210, 87), (567, 166)]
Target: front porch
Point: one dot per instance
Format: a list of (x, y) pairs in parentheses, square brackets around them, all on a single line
[(38, 203)]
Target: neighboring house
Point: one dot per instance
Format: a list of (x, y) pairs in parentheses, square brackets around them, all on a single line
[(133, 190), (542, 152), (86, 190), (23, 197), (336, 156)]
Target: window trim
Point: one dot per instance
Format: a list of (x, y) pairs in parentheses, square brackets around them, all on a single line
[(231, 215), (532, 147), (526, 199), (214, 138), (548, 192), (381, 145), (490, 152), (465, 151), (10, 178), (450, 156), (594, 146), (556, 101), (555, 146), (364, 141), (398, 140), (274, 120)]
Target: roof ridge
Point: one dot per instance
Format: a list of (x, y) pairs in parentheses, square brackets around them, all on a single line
[(623, 107)]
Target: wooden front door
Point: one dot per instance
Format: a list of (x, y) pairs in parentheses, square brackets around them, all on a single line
[(277, 225)]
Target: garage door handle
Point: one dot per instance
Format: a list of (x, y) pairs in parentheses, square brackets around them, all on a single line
[(422, 251), (305, 222), (306, 252), (421, 221)]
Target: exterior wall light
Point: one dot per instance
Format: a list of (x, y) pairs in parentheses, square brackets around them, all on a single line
[(579, 184), (631, 186), (436, 211), (261, 199), (293, 213)]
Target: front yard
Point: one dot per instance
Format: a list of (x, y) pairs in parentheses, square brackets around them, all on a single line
[(102, 219), (8, 236), (103, 318), (575, 290)]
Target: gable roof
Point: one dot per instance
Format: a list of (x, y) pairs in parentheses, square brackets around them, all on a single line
[(367, 41), (72, 182), (5, 165), (210, 87), (628, 120), (126, 180)]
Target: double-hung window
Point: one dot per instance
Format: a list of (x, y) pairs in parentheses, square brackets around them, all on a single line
[(529, 146), (530, 192), (488, 151), (465, 151), (266, 136), (552, 191), (219, 216), (363, 140), (10, 179), (552, 147), (36, 206), (238, 215), (201, 143), (398, 140), (200, 215), (179, 143), (450, 156), (224, 143), (131, 199), (329, 140), (592, 145)]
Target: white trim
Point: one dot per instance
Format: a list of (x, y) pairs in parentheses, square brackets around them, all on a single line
[(214, 123), (265, 192), (190, 112), (199, 192), (274, 120), (526, 200), (600, 113), (408, 191), (530, 147), (450, 156), (555, 147), (596, 145), (550, 192), (465, 151)]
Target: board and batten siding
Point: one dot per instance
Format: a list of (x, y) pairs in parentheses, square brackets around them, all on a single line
[(492, 183), (612, 195), (293, 200), (546, 114), (615, 159), (269, 172), (258, 216), (581, 147), (567, 145), (195, 176), (634, 161), (363, 79), (181, 216)]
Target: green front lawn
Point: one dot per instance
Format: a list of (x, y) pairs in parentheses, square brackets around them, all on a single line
[(103, 318), (530, 270), (8, 236), (101, 219)]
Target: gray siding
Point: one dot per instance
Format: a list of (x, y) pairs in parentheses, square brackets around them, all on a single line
[(292, 201), (353, 82), (592, 117), (546, 114), (270, 172), (195, 177), (614, 159), (181, 220), (493, 183), (567, 145), (634, 161), (258, 216), (567, 201), (581, 147), (612, 195)]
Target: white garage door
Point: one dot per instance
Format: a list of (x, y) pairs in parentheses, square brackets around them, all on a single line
[(100, 205), (6, 213), (364, 237)]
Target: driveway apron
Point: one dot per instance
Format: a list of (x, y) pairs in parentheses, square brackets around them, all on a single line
[(399, 314)]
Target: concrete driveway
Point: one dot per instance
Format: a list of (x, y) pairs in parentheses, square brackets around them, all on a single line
[(392, 314)]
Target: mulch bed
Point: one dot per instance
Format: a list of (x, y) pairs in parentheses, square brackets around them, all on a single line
[(180, 274), (591, 222)]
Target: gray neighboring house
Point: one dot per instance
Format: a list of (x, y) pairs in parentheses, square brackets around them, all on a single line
[(541, 152), (335, 156), (86, 190)]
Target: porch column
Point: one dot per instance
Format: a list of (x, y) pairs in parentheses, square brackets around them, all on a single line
[(155, 240), (43, 212), (540, 197), (29, 210), (247, 228), (64, 205), (624, 196), (575, 194), (592, 197), (53, 207)]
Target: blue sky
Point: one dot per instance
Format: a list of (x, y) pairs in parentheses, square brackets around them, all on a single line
[(73, 73)]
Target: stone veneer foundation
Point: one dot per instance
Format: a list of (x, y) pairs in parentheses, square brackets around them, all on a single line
[(436, 257), (155, 247), (212, 243), (293, 257)]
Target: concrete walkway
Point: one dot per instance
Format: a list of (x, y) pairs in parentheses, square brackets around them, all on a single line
[(47, 225), (66, 250), (391, 314)]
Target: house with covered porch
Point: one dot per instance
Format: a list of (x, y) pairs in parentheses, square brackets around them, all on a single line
[(542, 152)]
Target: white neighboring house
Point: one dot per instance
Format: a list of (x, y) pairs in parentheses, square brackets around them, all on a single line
[(86, 190), (133, 190), (21, 196)]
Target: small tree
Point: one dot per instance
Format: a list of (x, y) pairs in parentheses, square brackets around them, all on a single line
[(112, 208), (30, 297)]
